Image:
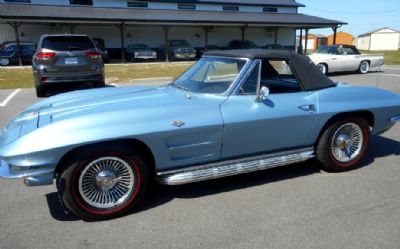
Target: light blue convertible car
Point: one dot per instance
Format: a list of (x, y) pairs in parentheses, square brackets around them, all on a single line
[(232, 112)]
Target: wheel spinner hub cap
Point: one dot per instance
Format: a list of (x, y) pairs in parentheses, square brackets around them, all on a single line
[(106, 180), (343, 141)]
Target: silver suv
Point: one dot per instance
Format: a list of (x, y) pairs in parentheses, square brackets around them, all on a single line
[(66, 60)]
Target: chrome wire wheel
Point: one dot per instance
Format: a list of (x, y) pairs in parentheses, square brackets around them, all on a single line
[(106, 182), (347, 142)]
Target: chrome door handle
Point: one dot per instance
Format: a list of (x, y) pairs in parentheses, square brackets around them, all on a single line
[(307, 108)]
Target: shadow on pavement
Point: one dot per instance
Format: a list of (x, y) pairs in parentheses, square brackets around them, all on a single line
[(57, 210), (160, 194)]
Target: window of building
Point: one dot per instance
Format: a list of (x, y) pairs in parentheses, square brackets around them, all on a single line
[(186, 6), (137, 5), (17, 1), (270, 10), (81, 2), (230, 8)]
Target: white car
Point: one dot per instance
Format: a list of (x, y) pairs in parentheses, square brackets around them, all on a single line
[(344, 58)]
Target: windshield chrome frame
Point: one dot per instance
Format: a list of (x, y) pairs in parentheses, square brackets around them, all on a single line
[(252, 65), (234, 83)]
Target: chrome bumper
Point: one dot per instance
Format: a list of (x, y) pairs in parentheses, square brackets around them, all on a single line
[(33, 176), (395, 119)]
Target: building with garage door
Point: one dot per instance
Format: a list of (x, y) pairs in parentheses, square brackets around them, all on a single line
[(381, 39), (203, 23)]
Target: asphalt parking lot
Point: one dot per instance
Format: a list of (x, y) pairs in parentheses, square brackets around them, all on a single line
[(296, 206)]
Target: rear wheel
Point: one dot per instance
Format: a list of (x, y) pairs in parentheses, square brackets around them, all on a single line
[(104, 182), (41, 92), (343, 144), (364, 67)]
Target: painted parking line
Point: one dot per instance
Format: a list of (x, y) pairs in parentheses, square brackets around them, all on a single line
[(392, 68), (12, 95), (391, 75)]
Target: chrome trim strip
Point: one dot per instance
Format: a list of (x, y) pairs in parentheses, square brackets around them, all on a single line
[(395, 119), (6, 173), (233, 167)]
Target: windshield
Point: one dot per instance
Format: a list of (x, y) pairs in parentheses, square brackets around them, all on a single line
[(210, 75)]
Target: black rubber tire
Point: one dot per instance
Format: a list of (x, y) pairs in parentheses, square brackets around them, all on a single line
[(68, 182), (325, 71), (360, 68), (101, 84), (323, 147), (41, 92), (4, 62)]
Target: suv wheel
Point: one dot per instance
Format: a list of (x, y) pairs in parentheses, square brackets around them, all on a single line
[(40, 92)]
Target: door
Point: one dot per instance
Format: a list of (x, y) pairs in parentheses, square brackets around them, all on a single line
[(282, 121)]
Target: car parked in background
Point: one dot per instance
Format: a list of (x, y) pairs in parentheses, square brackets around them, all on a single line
[(140, 52), (67, 59), (181, 50), (209, 48), (345, 58), (101, 46), (237, 44), (9, 53)]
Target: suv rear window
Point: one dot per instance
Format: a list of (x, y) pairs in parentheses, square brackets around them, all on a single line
[(67, 43)]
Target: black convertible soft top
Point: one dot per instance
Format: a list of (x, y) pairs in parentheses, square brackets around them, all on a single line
[(310, 77)]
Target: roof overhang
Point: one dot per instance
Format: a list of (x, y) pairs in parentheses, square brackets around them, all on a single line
[(88, 15)]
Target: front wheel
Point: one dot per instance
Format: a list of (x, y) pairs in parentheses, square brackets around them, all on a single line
[(343, 144), (323, 68), (364, 67), (104, 182), (4, 61)]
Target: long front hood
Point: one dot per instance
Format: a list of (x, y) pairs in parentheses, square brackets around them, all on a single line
[(106, 100)]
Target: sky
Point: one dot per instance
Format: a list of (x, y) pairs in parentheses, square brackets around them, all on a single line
[(362, 16)]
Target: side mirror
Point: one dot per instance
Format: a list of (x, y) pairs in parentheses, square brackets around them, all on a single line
[(263, 94)]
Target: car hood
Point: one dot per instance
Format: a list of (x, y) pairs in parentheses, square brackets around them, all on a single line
[(87, 102)]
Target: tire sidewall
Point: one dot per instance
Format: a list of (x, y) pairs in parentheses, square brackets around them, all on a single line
[(324, 150), (361, 66), (323, 68), (365, 131), (4, 62), (73, 199)]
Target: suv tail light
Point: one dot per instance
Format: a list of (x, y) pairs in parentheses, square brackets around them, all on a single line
[(94, 55), (45, 55)]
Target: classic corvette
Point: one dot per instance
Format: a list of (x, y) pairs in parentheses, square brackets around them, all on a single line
[(232, 112)]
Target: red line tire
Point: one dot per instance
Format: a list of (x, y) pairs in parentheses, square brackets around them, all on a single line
[(343, 144), (103, 182)]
